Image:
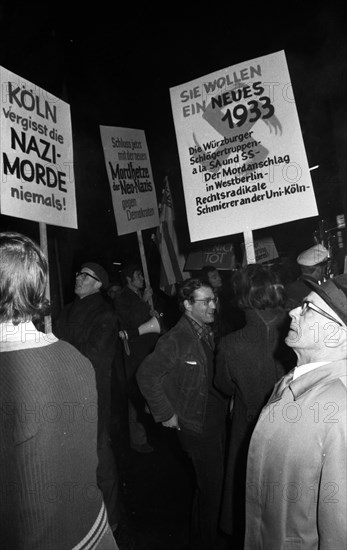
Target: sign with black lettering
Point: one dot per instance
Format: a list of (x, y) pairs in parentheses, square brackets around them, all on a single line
[(130, 176), (242, 155), (36, 154)]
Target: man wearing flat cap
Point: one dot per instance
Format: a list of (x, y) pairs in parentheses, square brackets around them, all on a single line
[(313, 265), (296, 470), (90, 324)]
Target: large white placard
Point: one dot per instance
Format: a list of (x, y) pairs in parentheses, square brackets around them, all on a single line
[(36, 161), (242, 155), (130, 176)]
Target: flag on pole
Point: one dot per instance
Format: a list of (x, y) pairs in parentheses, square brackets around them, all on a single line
[(172, 261)]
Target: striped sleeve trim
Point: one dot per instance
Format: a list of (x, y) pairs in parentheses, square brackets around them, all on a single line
[(97, 531)]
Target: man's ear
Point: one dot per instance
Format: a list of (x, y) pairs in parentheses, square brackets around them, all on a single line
[(187, 305), (98, 285)]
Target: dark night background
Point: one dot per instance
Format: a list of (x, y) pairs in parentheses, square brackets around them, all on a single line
[(114, 64)]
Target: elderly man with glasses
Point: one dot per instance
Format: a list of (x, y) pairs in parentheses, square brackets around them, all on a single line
[(296, 473), (90, 324), (176, 380)]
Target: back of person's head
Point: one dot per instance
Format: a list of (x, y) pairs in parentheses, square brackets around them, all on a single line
[(258, 287), (187, 289), (315, 271), (23, 279), (128, 272)]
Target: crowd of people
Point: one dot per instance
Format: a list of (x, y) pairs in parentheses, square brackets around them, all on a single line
[(250, 378)]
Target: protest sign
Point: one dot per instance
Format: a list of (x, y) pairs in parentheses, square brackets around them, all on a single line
[(242, 155), (265, 251), (130, 176), (220, 256), (36, 160)]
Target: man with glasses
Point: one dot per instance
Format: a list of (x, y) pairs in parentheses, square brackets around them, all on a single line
[(296, 472), (90, 324), (176, 381)]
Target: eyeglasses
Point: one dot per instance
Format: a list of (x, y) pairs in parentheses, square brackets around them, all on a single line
[(306, 304), (84, 274), (208, 301)]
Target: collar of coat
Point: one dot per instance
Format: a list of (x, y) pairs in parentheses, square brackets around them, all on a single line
[(322, 375)]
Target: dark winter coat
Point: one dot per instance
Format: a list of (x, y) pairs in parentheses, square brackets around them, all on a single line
[(133, 312), (90, 324), (248, 364)]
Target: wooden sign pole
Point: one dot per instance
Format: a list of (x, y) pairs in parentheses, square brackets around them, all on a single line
[(44, 248), (144, 263), (249, 246)]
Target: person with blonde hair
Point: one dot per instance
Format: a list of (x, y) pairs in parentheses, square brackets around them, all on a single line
[(48, 420)]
